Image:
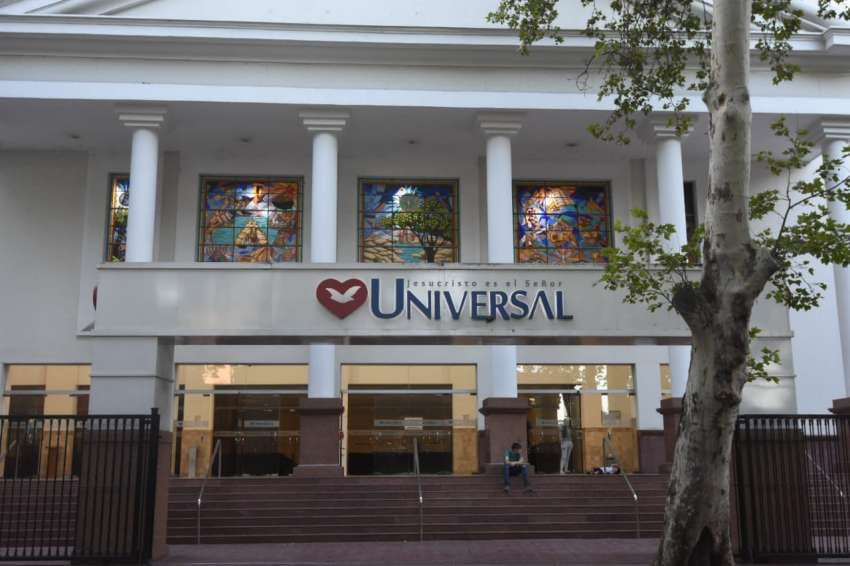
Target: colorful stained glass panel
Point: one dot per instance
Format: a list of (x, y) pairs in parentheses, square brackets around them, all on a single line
[(250, 220), (561, 222), (119, 205), (408, 221)]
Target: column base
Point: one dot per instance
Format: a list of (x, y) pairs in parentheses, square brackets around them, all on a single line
[(318, 471), (652, 452), (671, 410), (505, 422), (318, 453), (840, 406)]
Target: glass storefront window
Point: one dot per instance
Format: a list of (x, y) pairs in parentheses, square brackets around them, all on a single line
[(250, 410), (666, 382), (42, 390), (581, 417), (387, 406)]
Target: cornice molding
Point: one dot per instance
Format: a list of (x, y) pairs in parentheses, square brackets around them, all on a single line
[(572, 37)]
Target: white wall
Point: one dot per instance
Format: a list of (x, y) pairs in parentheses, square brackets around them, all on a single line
[(41, 227), (816, 344)]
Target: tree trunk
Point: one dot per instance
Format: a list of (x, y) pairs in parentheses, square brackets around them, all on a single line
[(717, 310), (696, 527), (430, 253)]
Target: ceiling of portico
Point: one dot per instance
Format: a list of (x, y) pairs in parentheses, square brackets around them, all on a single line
[(263, 130)]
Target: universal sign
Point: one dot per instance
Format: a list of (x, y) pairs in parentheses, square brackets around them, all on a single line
[(526, 299)]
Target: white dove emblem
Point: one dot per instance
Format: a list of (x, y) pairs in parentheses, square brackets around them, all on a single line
[(343, 298)]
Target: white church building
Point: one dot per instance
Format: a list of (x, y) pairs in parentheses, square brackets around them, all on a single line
[(312, 231)]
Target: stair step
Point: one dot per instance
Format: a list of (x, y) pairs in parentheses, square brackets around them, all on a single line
[(367, 508)]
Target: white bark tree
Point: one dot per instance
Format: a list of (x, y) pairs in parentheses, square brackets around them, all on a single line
[(647, 52)]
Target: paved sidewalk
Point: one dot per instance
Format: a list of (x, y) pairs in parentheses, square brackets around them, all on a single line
[(549, 552), (483, 552)]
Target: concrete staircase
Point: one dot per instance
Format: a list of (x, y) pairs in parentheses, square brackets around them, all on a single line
[(290, 509)]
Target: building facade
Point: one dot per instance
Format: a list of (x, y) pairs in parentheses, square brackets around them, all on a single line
[(309, 234)]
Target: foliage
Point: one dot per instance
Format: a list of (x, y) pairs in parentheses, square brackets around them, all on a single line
[(651, 273), (806, 231), (648, 56), (429, 219), (650, 53)]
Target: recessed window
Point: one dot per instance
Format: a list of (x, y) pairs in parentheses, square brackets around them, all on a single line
[(408, 221), (250, 219), (690, 208), (119, 205), (561, 222)]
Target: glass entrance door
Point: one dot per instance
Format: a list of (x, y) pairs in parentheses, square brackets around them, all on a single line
[(258, 432), (22, 440), (382, 426), (586, 411), (554, 431)]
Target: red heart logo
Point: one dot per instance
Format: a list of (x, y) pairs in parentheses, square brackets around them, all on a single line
[(341, 298)]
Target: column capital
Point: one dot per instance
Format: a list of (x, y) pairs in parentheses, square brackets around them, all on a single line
[(500, 123), (833, 129), (660, 128), (324, 120), (141, 116)]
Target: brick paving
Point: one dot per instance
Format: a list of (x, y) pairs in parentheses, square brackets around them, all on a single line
[(549, 552)]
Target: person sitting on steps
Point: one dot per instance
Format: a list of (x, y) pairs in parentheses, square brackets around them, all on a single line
[(515, 465)]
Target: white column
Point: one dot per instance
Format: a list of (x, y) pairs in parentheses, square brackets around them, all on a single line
[(680, 362), (499, 128), (836, 136), (322, 372), (131, 376), (671, 210), (671, 181), (646, 376), (144, 160), (325, 126)]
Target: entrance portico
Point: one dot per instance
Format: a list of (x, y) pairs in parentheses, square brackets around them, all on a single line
[(185, 304)]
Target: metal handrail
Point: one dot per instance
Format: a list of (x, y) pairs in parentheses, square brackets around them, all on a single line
[(11, 445), (419, 488), (606, 442), (826, 475), (215, 455)]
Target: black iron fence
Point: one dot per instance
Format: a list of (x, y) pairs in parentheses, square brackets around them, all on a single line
[(792, 476), (77, 487)]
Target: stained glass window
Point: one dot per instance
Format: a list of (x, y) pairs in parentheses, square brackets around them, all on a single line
[(119, 204), (250, 220), (561, 222), (408, 221)]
